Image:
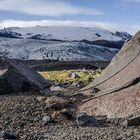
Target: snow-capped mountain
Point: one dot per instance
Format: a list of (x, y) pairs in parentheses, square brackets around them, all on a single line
[(60, 43), (68, 33)]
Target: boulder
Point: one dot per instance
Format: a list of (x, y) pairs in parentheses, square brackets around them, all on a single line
[(118, 94), (86, 120), (9, 135), (16, 77), (74, 75)]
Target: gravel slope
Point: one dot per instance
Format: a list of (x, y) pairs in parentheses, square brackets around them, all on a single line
[(23, 115)]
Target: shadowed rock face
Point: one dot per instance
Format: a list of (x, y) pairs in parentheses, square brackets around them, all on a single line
[(121, 79), (17, 77)]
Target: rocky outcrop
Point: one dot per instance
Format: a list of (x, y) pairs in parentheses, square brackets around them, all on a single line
[(17, 77), (9, 34), (106, 43), (123, 35), (119, 84)]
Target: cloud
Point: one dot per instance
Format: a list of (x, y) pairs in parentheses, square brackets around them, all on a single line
[(105, 25), (46, 7)]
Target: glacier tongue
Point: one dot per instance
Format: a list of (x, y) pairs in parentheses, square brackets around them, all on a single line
[(55, 50)]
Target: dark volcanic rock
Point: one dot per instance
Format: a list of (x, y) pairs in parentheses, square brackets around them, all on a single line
[(8, 135), (17, 77), (85, 120)]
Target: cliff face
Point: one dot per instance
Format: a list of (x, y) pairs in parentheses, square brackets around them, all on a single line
[(120, 80)]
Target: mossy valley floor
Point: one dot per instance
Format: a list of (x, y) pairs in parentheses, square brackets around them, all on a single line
[(72, 76)]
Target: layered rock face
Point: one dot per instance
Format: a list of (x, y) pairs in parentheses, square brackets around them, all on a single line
[(120, 82), (16, 77)]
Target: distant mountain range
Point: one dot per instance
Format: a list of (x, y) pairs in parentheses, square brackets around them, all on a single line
[(61, 43)]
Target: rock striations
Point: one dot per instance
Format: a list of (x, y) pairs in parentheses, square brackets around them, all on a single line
[(119, 84)]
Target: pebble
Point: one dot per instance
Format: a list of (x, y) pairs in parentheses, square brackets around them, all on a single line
[(47, 119)]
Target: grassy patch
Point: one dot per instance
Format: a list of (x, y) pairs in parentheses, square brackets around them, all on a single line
[(64, 76)]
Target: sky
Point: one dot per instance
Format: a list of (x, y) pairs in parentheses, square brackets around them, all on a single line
[(122, 15)]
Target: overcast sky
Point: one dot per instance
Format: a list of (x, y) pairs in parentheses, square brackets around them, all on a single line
[(108, 14)]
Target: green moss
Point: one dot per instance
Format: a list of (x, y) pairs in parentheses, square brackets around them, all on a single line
[(84, 76)]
